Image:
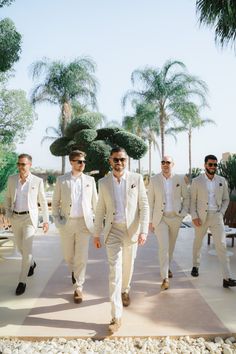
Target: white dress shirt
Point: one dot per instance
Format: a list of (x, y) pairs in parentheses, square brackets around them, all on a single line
[(211, 187), (21, 202), (168, 187), (120, 198), (76, 210)]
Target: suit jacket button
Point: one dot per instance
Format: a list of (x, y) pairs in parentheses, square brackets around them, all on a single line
[(164, 203), (161, 210), (111, 222), (206, 211)]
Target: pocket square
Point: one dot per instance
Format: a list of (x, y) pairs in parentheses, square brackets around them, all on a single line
[(133, 185)]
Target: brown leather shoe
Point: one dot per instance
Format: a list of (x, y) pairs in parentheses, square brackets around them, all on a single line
[(114, 325), (170, 274), (125, 299), (165, 284), (78, 297)]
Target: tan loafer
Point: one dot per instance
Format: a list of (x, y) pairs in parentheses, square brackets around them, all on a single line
[(165, 284), (78, 297), (125, 299), (114, 325)]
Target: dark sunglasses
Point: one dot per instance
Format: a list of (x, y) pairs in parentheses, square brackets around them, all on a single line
[(165, 162), (210, 164), (79, 161), (21, 164), (116, 159)]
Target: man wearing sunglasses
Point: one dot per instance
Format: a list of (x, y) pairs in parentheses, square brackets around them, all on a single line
[(168, 198), (73, 207), (123, 203), (209, 201), (24, 191)]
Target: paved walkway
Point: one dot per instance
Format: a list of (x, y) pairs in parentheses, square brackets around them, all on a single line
[(192, 306)]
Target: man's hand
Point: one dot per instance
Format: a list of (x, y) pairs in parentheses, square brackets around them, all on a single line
[(142, 239), (97, 242), (45, 227), (151, 227), (197, 222)]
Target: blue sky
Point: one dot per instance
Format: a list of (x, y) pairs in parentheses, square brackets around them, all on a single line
[(122, 36)]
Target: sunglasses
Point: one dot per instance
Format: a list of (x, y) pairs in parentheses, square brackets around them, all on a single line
[(121, 159), (21, 164), (210, 164), (79, 161), (165, 162)]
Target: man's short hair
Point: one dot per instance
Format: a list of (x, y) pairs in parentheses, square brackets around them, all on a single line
[(27, 156), (76, 153), (210, 157), (117, 149)]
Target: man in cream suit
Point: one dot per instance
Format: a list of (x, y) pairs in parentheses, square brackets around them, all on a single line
[(73, 207), (209, 201), (168, 198), (24, 191), (123, 203)]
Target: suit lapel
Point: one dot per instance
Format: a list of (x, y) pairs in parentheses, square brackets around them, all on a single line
[(111, 188), (161, 183)]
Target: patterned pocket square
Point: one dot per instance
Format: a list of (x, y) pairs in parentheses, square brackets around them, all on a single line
[(133, 185)]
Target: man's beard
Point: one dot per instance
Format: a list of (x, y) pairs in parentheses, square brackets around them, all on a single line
[(212, 172)]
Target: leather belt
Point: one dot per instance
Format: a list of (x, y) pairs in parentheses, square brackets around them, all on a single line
[(20, 212)]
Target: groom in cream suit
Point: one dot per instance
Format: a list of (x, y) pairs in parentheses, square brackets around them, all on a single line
[(168, 198), (73, 208), (209, 201), (24, 191), (123, 203)]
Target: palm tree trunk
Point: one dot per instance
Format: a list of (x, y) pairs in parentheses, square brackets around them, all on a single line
[(162, 131), (63, 165), (139, 166), (190, 154), (150, 157)]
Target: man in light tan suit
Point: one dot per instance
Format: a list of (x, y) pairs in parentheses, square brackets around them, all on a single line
[(73, 208), (168, 198), (209, 201), (123, 203), (24, 191)]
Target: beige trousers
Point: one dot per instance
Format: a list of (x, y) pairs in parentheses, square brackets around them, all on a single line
[(214, 222), (121, 254), (166, 233), (75, 244), (24, 232)]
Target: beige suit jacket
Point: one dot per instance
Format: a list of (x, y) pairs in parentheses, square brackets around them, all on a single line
[(199, 196), (137, 210), (35, 195), (156, 197), (61, 201)]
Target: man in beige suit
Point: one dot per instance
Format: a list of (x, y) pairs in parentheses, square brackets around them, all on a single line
[(123, 203), (168, 198), (24, 191), (209, 201), (73, 208)]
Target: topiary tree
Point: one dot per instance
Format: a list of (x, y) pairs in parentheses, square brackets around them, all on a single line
[(81, 134), (227, 169)]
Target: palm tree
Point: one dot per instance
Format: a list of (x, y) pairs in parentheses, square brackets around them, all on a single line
[(221, 15), (167, 90), (62, 84), (191, 119), (144, 125)]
